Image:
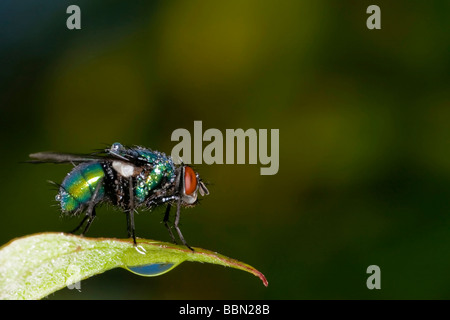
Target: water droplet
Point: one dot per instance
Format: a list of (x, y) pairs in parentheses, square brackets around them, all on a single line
[(116, 146), (58, 197), (151, 270)]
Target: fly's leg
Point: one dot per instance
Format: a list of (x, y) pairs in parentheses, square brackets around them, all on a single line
[(80, 225), (130, 225), (166, 219), (90, 212), (91, 218), (130, 212), (177, 217), (162, 200), (177, 221)]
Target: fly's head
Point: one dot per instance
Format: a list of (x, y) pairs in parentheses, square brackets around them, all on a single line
[(189, 184)]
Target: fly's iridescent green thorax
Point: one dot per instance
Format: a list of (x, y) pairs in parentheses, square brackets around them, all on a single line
[(148, 180)]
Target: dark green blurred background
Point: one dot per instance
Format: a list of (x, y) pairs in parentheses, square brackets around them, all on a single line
[(364, 136)]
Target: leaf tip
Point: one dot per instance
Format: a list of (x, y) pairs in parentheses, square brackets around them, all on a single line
[(262, 277)]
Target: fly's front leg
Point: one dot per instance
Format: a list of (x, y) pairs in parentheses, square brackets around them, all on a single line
[(162, 200), (177, 221), (167, 214)]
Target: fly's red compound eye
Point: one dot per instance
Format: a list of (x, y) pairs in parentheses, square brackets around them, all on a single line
[(190, 181)]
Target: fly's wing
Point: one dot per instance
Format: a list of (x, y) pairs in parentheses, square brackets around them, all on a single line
[(55, 157), (124, 155), (58, 157)]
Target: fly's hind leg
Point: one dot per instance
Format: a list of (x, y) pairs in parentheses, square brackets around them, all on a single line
[(90, 211), (91, 218), (80, 225)]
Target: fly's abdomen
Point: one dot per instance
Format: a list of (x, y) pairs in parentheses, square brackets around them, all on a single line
[(79, 186)]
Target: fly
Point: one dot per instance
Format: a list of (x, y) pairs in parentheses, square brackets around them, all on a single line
[(129, 178)]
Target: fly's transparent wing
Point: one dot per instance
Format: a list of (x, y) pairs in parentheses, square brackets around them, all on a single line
[(56, 157)]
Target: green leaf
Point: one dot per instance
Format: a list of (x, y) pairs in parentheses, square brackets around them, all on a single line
[(34, 266)]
